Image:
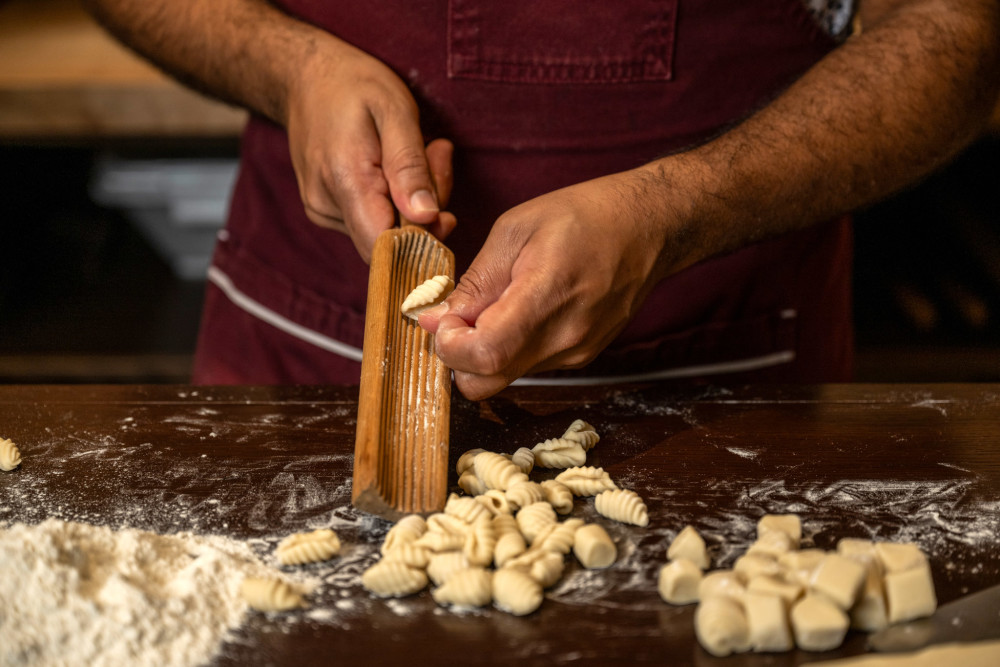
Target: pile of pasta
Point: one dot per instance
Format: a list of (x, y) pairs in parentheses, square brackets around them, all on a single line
[(777, 597), (504, 543), (276, 594)]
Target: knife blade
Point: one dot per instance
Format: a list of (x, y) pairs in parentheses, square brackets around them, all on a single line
[(970, 618)]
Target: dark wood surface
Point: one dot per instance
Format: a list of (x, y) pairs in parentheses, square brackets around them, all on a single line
[(898, 462)]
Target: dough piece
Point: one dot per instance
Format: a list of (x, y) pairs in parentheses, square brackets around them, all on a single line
[(441, 566), (523, 494), (426, 295), (722, 583), (409, 554), (471, 484), (545, 567), (583, 433), (788, 524), (524, 459), (558, 537), (622, 505), (495, 501), (840, 579), (480, 542), (772, 544), (690, 545), (593, 547), (464, 462), (818, 624), (496, 472), (516, 592), (559, 453), (586, 481), (799, 566), (444, 533), (468, 587), (533, 518), (270, 594), (313, 547), (910, 594), (466, 508), (10, 455), (390, 578), (558, 495), (447, 523), (407, 529), (899, 557), (870, 612), (755, 565), (777, 587), (721, 626), (508, 546), (679, 581), (767, 622)]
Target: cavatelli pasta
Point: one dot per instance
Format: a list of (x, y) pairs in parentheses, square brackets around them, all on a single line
[(496, 472), (313, 547), (10, 455), (471, 484), (558, 495), (524, 459), (391, 578), (407, 529), (495, 501), (560, 538), (465, 460), (545, 567), (516, 592), (583, 433), (480, 543), (533, 518), (559, 453), (467, 587), (586, 481), (429, 293), (622, 505), (466, 508), (270, 594), (442, 566), (508, 546), (523, 494), (409, 554)]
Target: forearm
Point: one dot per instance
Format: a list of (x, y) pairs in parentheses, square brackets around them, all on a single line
[(245, 52), (875, 115)]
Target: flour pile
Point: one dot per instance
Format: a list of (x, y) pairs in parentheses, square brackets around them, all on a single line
[(72, 593)]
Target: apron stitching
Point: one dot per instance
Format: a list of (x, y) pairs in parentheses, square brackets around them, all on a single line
[(265, 314)]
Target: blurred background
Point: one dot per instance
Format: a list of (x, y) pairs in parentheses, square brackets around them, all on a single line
[(114, 181)]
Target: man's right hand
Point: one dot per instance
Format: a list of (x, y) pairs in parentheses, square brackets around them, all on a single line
[(357, 149)]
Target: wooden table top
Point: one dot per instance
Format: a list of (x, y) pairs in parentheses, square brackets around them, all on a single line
[(894, 462)]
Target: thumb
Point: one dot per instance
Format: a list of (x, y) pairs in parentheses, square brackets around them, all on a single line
[(404, 164)]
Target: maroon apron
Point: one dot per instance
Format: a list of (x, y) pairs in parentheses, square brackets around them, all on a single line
[(538, 96)]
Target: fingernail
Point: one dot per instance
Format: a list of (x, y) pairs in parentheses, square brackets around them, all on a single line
[(422, 201), (438, 310)]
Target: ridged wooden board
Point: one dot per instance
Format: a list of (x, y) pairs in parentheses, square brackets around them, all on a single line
[(401, 451)]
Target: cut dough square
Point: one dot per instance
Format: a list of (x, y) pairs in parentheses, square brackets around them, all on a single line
[(899, 557), (723, 583), (789, 524), (799, 566), (679, 581), (690, 545), (869, 613), (721, 626), (818, 624), (769, 585), (767, 621), (755, 565), (772, 544), (910, 594), (839, 578)]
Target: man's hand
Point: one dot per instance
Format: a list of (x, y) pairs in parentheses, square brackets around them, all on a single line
[(557, 279)]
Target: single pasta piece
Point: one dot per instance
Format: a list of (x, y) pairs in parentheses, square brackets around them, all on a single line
[(442, 566), (754, 565), (410, 555), (545, 567), (622, 505), (586, 481), (448, 523), (689, 544), (523, 494), (899, 557), (467, 587), (508, 546), (313, 547), (426, 295), (840, 579), (390, 578), (799, 566), (583, 433), (559, 453), (495, 501), (558, 537), (524, 459), (789, 524), (767, 622), (466, 508), (818, 624), (870, 612), (471, 484), (679, 581), (465, 460), (593, 547), (10, 455), (481, 542), (533, 518), (776, 586), (910, 594), (773, 544), (558, 495), (721, 626), (516, 592), (496, 472), (407, 529), (722, 583), (440, 542), (270, 594)]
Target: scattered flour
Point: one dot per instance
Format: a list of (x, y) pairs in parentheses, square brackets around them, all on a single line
[(74, 593)]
